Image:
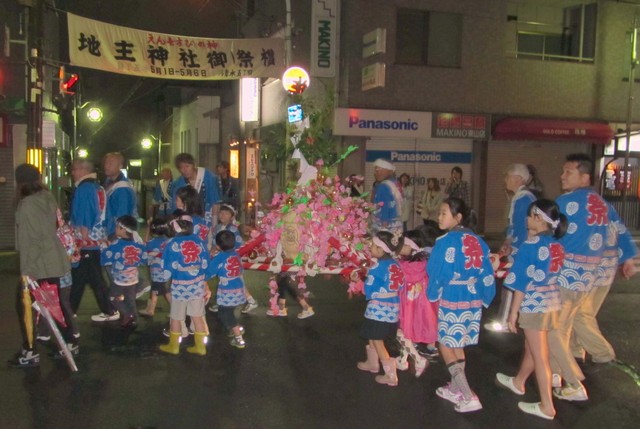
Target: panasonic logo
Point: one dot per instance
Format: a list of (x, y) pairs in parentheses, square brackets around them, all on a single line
[(372, 124), (416, 156)]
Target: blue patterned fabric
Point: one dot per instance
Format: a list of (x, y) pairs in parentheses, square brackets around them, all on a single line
[(210, 192), (125, 257), (461, 280), (236, 232), (155, 247), (388, 201), (121, 200), (619, 247), (535, 273), (186, 261), (228, 267), (588, 218), (384, 279), (517, 231), (201, 228), (87, 207)]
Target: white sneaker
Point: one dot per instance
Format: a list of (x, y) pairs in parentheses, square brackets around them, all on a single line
[(445, 393), (105, 317), (468, 406), (306, 313), (506, 382), (249, 307), (146, 289), (280, 312), (569, 393), (556, 380)]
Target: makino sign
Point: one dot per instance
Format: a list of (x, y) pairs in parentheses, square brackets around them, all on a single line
[(324, 28), (97, 45)]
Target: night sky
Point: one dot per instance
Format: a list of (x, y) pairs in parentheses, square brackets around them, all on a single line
[(133, 106)]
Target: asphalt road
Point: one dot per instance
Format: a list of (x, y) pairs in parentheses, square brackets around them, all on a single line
[(293, 373)]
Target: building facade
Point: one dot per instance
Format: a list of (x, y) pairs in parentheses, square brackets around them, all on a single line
[(548, 78)]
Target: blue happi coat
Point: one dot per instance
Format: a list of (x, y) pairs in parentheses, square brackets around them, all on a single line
[(461, 280), (186, 261), (155, 247), (227, 266), (384, 279), (619, 247), (588, 217), (535, 273), (124, 257), (517, 230)]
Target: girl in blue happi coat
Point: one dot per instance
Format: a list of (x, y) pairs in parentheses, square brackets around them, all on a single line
[(384, 280), (536, 301), (159, 228), (186, 261), (227, 222), (461, 280), (226, 265)]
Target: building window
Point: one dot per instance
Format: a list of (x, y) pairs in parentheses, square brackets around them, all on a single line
[(428, 38), (553, 33)]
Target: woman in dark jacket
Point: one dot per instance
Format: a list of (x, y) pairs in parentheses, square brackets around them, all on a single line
[(42, 256)]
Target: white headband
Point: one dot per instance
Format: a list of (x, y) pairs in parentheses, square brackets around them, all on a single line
[(174, 223), (383, 163), (412, 244), (228, 207), (554, 223), (381, 244), (134, 234)]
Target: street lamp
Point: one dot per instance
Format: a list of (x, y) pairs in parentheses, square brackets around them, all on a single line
[(146, 143), (83, 153), (94, 114)]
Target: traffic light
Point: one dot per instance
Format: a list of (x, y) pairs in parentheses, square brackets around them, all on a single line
[(68, 82)]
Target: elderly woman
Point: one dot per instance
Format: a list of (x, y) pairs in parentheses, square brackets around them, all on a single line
[(42, 256)]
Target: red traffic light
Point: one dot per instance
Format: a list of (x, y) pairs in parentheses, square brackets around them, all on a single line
[(68, 82), (68, 86)]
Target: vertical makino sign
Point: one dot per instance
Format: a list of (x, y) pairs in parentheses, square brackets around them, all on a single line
[(324, 37)]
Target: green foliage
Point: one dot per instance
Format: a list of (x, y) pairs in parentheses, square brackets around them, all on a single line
[(316, 142)]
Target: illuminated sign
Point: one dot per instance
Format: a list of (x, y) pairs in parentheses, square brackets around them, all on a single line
[(249, 99), (295, 113), (295, 80)]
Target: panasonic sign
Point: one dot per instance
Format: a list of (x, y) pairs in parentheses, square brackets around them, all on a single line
[(381, 123)]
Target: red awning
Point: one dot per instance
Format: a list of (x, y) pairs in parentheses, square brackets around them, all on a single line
[(552, 130)]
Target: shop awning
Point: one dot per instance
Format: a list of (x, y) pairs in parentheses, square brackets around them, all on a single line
[(552, 130)]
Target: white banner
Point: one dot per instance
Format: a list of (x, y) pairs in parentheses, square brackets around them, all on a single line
[(325, 25), (117, 49)]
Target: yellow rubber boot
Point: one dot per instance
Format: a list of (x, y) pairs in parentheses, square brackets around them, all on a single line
[(199, 348), (174, 344)]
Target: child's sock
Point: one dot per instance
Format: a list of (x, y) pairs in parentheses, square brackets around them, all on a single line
[(459, 379)]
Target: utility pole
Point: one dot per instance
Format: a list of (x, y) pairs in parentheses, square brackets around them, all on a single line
[(34, 10), (626, 173)]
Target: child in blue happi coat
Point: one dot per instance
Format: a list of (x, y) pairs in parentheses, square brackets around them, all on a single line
[(124, 256), (384, 280), (461, 280), (227, 266)]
